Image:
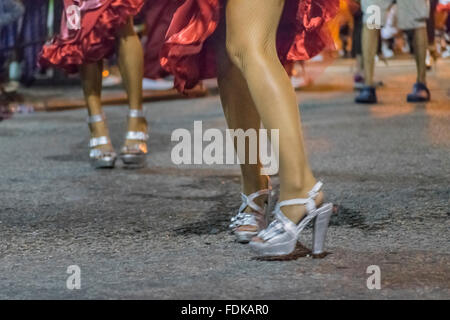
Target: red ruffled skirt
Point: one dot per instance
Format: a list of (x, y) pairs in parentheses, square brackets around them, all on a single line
[(443, 7), (188, 52), (158, 16), (88, 32)]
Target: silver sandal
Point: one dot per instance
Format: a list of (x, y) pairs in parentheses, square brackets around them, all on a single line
[(136, 153), (281, 236), (257, 218), (99, 158)]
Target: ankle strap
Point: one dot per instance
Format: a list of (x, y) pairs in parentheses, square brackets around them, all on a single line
[(137, 135), (99, 141), (248, 201), (96, 118), (133, 113), (308, 202), (315, 190)]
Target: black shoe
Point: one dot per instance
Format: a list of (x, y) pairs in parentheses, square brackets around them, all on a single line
[(420, 93), (367, 94)]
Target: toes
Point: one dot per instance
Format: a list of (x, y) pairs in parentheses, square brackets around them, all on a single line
[(257, 239), (247, 229)]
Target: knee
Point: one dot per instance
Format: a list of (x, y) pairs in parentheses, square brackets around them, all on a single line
[(126, 31), (237, 53), (245, 53)]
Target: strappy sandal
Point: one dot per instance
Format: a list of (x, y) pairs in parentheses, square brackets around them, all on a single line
[(281, 236), (246, 225), (100, 158), (135, 154)]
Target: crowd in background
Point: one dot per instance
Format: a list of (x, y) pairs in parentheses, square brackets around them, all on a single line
[(25, 25)]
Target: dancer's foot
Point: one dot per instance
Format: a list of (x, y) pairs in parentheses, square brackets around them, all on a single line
[(252, 215), (135, 147), (281, 236), (101, 153)]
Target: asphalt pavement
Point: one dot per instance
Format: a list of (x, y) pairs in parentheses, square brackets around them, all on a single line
[(160, 232)]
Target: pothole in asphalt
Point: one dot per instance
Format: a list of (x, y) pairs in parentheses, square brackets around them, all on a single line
[(215, 221), (354, 218)]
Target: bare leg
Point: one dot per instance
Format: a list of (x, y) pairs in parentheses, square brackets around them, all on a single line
[(251, 44), (420, 51), (91, 79), (370, 41), (131, 65), (359, 65), (240, 113)]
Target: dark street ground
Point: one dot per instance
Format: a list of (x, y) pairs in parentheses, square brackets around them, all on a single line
[(161, 232)]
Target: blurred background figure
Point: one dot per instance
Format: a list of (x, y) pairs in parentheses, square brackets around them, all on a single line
[(340, 27), (299, 76), (442, 24), (158, 16), (389, 32), (27, 24), (10, 11), (412, 16), (89, 34), (432, 53), (358, 78)]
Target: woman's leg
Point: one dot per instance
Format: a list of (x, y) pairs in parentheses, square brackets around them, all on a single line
[(420, 52), (91, 80), (251, 44), (131, 65), (240, 113)]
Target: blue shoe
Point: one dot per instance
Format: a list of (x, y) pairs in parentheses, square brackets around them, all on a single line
[(367, 94), (420, 93)]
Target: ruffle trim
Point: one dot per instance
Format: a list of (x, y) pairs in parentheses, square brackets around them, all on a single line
[(187, 55), (96, 45)]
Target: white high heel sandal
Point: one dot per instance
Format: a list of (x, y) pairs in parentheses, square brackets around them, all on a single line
[(99, 158), (281, 236), (135, 154), (256, 219)]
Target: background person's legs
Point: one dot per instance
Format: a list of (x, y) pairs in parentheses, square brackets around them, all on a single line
[(370, 43), (131, 65), (357, 49), (413, 15), (91, 80), (374, 12), (431, 29), (251, 38), (420, 53)]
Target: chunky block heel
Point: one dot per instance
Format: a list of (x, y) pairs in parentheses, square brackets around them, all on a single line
[(320, 230), (281, 236)]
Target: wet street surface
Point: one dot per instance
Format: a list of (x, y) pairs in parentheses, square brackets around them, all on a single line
[(161, 232)]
